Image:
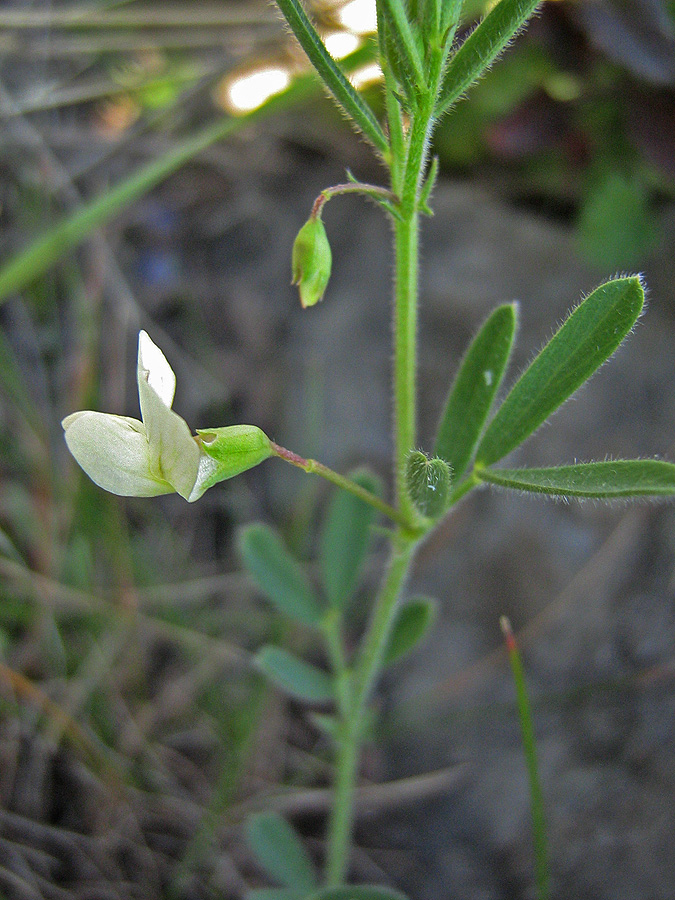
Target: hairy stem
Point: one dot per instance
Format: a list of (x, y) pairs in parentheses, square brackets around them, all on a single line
[(368, 667), (341, 481)]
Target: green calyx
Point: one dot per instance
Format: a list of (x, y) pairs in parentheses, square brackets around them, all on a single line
[(230, 451), (311, 261)]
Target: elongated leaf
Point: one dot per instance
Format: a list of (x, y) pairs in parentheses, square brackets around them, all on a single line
[(604, 480), (587, 338), (294, 676), (345, 539), (280, 852), (358, 892), (474, 389), (405, 41), (331, 74), (482, 47), (278, 575), (413, 620)]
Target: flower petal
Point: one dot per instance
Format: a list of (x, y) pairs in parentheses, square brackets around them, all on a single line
[(172, 451), (113, 451), (153, 369)]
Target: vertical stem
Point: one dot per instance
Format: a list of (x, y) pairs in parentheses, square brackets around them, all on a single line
[(374, 643), (342, 810), (406, 248), (405, 336), (369, 664)]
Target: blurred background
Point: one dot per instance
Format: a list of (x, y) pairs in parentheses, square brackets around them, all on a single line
[(134, 736)]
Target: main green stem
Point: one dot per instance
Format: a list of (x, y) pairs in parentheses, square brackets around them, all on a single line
[(374, 644), (350, 740)]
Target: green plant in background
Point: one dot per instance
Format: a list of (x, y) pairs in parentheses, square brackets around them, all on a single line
[(425, 73)]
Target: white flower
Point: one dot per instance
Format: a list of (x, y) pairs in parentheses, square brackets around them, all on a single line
[(156, 456)]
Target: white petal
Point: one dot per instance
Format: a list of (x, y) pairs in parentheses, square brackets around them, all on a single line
[(207, 469), (153, 369), (173, 452), (113, 451)]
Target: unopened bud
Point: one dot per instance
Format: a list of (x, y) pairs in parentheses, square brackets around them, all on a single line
[(428, 482), (311, 260)]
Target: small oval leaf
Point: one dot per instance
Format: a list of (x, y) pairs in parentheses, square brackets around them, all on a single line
[(474, 389), (280, 852), (587, 338), (345, 539), (602, 480), (294, 676), (278, 575), (412, 622)]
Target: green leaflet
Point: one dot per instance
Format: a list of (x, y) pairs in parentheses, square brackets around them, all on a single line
[(412, 622), (482, 47), (294, 676), (279, 576), (603, 480), (587, 338), (345, 539), (281, 853), (331, 74), (474, 389), (406, 46)]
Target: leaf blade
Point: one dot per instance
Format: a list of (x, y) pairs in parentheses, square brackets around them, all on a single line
[(482, 47), (601, 480), (294, 676), (474, 389), (345, 539), (331, 74), (280, 851), (278, 575), (587, 338), (412, 622)]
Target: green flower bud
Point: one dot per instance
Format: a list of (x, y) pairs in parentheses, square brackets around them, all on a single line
[(230, 451), (312, 260), (428, 482)]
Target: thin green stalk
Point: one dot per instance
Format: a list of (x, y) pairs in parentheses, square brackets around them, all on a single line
[(374, 643), (341, 819), (369, 665), (376, 638), (313, 466), (406, 250), (405, 338), (530, 749)]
